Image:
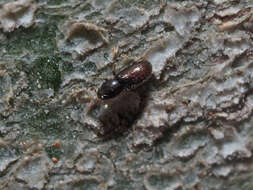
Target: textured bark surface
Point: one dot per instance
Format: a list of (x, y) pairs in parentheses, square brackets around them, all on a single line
[(189, 127)]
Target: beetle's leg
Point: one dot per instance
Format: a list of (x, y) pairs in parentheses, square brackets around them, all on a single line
[(114, 68), (92, 104)]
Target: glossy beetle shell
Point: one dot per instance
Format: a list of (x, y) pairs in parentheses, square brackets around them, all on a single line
[(135, 75), (109, 89), (129, 78)]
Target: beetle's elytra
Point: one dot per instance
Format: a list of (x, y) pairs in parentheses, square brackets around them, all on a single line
[(129, 78)]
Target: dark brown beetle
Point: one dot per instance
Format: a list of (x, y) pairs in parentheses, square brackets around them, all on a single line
[(127, 79)]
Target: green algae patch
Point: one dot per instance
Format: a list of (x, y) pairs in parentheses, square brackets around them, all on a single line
[(36, 39), (53, 152), (67, 68), (46, 70), (88, 67), (43, 72), (46, 124)]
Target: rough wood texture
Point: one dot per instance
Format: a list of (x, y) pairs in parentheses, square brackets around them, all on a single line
[(189, 127)]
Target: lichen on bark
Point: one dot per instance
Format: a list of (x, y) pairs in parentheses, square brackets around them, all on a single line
[(188, 127)]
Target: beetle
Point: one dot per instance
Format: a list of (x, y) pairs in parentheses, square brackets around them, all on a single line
[(127, 79)]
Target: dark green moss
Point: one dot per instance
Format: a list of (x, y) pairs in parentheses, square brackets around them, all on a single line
[(37, 39), (45, 125), (87, 184), (53, 151), (67, 67), (88, 67), (161, 180), (43, 72)]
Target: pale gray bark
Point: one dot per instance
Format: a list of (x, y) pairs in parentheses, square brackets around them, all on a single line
[(189, 127)]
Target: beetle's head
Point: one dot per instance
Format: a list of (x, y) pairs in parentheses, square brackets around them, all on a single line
[(109, 89)]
